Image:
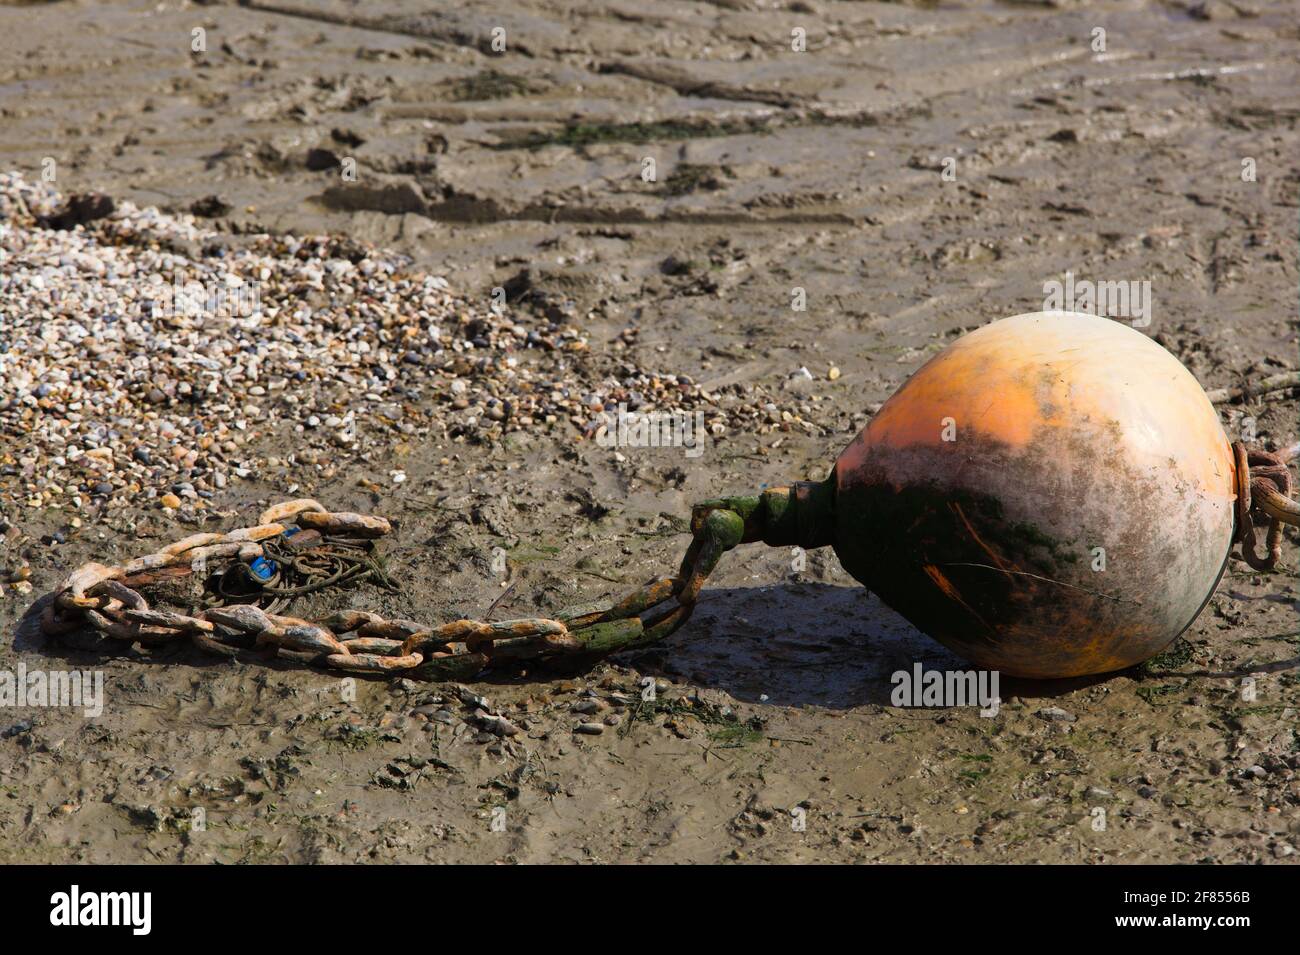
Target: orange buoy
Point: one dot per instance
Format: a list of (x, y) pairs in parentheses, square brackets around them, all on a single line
[(1050, 496)]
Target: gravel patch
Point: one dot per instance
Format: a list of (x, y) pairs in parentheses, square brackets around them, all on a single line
[(140, 353)]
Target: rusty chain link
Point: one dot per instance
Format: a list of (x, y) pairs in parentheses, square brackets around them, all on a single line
[(303, 535), (1264, 488)]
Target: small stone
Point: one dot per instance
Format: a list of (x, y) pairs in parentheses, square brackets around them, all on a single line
[(17, 728), (589, 729), (1054, 714), (470, 698), (498, 725)]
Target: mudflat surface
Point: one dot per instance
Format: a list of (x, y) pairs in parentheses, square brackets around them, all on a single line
[(774, 169)]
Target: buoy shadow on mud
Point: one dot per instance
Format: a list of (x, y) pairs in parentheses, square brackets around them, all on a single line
[(812, 644)]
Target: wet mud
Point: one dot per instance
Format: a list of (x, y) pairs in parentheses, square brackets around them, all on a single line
[(820, 170)]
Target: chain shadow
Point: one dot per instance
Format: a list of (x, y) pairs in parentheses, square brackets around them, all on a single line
[(86, 647)]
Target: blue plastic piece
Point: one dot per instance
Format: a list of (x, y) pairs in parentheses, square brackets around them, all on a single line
[(262, 569)]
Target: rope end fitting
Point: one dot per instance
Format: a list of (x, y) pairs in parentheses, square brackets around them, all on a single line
[(801, 514)]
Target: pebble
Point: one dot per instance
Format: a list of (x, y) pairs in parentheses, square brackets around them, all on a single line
[(1054, 714), (589, 729), (470, 698), (497, 725), (16, 728)]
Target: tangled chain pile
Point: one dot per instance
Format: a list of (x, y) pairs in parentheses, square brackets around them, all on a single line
[(108, 599)]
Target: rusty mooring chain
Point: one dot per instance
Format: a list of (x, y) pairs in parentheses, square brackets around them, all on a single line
[(301, 539), (1264, 488)]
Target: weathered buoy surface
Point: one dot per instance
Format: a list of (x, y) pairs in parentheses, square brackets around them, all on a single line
[(1050, 496)]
